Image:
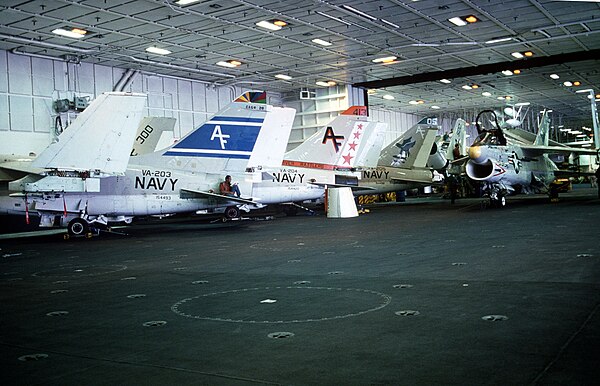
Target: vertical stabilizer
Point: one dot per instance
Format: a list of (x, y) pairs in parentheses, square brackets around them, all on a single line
[(412, 148), (149, 132), (346, 142), (544, 131), (100, 138), (459, 135), (247, 132)]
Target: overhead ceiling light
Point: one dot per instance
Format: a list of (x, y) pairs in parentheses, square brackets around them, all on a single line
[(325, 84), (486, 94), (499, 40), (159, 51), (186, 2), (273, 25), (517, 55), (577, 83), (567, 83), (413, 102), (283, 76), (467, 87), (507, 72), (581, 135), (471, 19), (528, 54), (458, 21), (554, 76), (75, 33), (358, 12), (388, 97), (474, 85), (321, 42), (435, 107), (445, 81), (387, 59), (522, 104), (516, 72), (583, 91), (229, 63), (371, 91)]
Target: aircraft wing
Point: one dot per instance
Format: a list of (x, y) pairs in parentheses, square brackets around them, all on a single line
[(537, 150), (219, 197), (13, 170)]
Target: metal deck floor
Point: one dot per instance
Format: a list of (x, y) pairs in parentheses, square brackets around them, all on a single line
[(420, 293)]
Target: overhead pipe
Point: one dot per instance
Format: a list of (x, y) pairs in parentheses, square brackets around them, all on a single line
[(129, 80), (46, 44), (123, 80)]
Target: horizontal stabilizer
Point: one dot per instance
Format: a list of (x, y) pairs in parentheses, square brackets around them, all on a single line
[(535, 151), (219, 197), (353, 187), (100, 138)]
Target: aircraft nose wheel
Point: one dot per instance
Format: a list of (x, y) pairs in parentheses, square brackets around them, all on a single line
[(78, 227)]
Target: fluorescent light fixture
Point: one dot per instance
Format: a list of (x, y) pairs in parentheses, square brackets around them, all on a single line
[(186, 2), (413, 102), (387, 59), (321, 42), (499, 40), (457, 21), (283, 76), (445, 81), (567, 83), (75, 33), (517, 55), (586, 90), (329, 83), (360, 13), (486, 94), (268, 25), (388, 97), (500, 98), (554, 76), (333, 18), (159, 51), (229, 63), (389, 23), (507, 72), (467, 87), (435, 107)]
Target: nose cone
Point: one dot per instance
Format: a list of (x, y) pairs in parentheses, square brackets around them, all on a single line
[(474, 152)]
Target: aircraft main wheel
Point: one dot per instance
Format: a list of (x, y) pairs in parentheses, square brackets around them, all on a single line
[(232, 212), (78, 227)]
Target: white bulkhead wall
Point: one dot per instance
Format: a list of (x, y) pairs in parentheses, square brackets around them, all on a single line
[(30, 85)]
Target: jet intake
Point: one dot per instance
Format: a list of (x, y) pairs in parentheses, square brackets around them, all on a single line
[(480, 171), (436, 160)]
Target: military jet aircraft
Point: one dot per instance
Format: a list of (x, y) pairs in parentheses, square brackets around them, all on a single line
[(504, 168), (90, 179)]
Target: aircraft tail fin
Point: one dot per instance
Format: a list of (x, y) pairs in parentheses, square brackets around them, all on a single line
[(543, 135), (246, 133), (348, 141), (149, 133), (459, 136), (100, 138), (413, 147)]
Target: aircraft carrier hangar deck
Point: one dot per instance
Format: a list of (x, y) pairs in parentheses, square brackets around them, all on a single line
[(419, 293)]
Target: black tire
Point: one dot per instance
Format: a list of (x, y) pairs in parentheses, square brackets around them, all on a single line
[(78, 227), (290, 210), (232, 212)]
